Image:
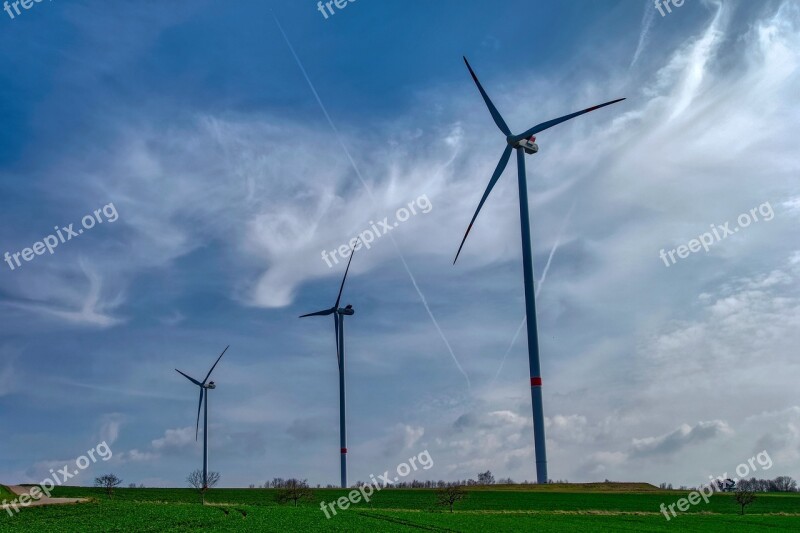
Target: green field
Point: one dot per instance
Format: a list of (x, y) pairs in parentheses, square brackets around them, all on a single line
[(567, 508), (5, 493)]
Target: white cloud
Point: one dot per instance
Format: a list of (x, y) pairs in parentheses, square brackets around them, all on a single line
[(92, 311), (136, 456), (683, 436), (110, 428), (175, 439)]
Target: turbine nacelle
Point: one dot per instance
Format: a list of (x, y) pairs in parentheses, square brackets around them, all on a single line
[(211, 385), (347, 310), (529, 145)]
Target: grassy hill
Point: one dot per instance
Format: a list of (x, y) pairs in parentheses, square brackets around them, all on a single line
[(589, 507)]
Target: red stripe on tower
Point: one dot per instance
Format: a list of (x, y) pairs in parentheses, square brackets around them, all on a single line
[(344, 450), (536, 382)]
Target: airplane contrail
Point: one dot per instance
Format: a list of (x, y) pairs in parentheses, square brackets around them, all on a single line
[(555, 247), (538, 288), (647, 22), (372, 197)]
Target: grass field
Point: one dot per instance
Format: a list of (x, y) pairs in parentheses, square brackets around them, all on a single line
[(5, 493), (569, 508)]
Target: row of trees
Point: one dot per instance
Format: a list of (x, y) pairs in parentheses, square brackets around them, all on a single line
[(195, 480), (279, 483), (779, 484), (484, 478)]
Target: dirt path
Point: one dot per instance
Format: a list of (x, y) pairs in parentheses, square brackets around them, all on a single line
[(41, 501)]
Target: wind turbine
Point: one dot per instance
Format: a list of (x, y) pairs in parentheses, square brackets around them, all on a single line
[(524, 143), (338, 324), (205, 386)]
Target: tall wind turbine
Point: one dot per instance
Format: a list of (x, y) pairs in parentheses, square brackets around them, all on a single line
[(524, 143), (338, 324), (205, 386)]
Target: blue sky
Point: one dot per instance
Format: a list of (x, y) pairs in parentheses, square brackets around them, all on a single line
[(195, 121)]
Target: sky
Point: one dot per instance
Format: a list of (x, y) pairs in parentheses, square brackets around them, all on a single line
[(222, 151)]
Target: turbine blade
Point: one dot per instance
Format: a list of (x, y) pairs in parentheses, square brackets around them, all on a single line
[(215, 364), (326, 312), (492, 109), (189, 378), (556, 121), (199, 407), (341, 287), (501, 166)]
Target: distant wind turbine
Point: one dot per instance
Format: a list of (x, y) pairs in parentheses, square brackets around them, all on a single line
[(338, 324), (205, 386), (524, 143)]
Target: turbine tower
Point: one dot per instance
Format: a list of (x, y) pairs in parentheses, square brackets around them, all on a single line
[(205, 386), (338, 324), (524, 143)]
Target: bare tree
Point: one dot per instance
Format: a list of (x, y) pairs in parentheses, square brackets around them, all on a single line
[(294, 490), (486, 478), (108, 482), (195, 480), (450, 494), (783, 484), (744, 497)]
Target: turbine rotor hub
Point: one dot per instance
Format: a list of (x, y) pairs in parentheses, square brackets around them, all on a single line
[(529, 145)]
